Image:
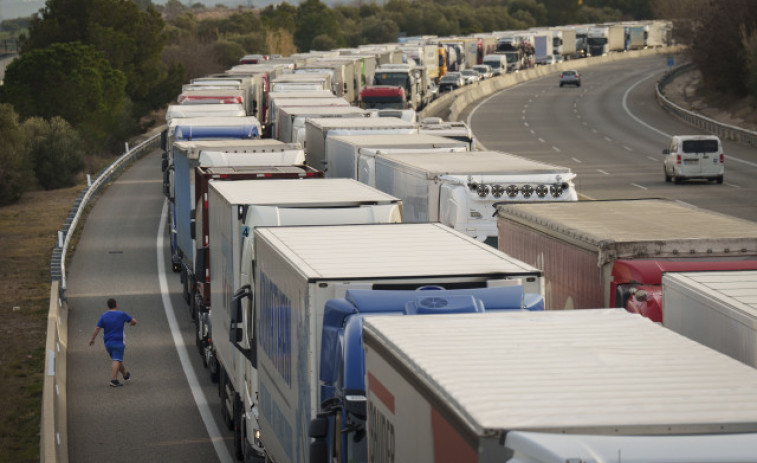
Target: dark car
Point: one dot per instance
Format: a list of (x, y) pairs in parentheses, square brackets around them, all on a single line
[(570, 78), (451, 81)]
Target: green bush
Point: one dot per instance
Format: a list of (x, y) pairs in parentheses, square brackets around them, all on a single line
[(55, 150), (15, 174)]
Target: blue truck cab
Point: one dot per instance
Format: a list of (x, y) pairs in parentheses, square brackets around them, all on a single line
[(339, 429)]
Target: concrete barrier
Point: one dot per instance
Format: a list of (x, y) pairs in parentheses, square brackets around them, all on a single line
[(53, 426)]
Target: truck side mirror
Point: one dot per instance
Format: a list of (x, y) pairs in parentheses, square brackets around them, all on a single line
[(318, 430), (192, 222), (235, 333)]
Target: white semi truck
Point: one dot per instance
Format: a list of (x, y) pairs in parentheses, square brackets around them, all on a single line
[(596, 385), (235, 209), (290, 125), (299, 269), (461, 189), (715, 308)]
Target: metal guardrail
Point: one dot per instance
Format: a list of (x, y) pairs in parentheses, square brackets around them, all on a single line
[(724, 131), (53, 426)]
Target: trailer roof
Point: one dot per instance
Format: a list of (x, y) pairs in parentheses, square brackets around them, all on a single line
[(393, 140), (474, 162), (322, 110), (630, 220), (592, 371), (301, 192), (360, 123), (738, 288), (396, 250)]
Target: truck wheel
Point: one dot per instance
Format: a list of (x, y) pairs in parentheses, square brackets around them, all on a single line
[(213, 366), (238, 428), (667, 177), (198, 339), (719, 180), (227, 420)]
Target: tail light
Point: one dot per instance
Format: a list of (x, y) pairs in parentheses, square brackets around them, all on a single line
[(678, 158), (722, 158)]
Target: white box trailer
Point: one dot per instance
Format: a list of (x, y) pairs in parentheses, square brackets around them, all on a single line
[(318, 129), (177, 111), (461, 189), (235, 210), (285, 101), (290, 126), (301, 82), (300, 268), (343, 152), (552, 387), (717, 309)]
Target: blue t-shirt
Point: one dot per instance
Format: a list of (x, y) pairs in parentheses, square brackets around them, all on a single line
[(112, 322)]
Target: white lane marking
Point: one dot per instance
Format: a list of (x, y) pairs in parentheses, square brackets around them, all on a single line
[(627, 148), (639, 186), (652, 158), (541, 140), (576, 160), (732, 185), (603, 172), (194, 385), (556, 149), (731, 158), (483, 102), (533, 132), (594, 130), (608, 139)]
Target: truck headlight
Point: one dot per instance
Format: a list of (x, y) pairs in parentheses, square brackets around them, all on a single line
[(542, 190), (527, 191), (498, 191), (482, 190), (512, 191), (555, 190)]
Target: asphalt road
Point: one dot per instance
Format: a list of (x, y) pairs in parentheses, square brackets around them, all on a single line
[(611, 132), (170, 408)]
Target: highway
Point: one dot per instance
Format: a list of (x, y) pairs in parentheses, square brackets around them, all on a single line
[(610, 131)]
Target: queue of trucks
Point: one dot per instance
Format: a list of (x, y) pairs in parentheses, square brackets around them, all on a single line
[(344, 317)]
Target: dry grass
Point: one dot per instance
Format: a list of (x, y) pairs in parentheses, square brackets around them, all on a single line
[(28, 233)]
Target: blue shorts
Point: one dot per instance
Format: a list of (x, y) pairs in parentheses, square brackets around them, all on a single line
[(116, 352)]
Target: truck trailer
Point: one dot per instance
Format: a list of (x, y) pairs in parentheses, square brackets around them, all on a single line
[(235, 210), (597, 385), (290, 125), (299, 269), (460, 189), (352, 156), (717, 309), (318, 129), (197, 281), (599, 254)]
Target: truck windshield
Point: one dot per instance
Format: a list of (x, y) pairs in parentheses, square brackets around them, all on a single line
[(700, 146), (382, 102), (395, 79), (512, 57), (597, 40)]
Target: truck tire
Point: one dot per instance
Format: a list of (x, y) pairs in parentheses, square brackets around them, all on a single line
[(238, 439), (667, 177), (719, 180), (227, 419)]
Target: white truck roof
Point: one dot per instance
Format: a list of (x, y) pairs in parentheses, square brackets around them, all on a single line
[(214, 121), (322, 110), (677, 224), (331, 123), (396, 250), (474, 162), (591, 371), (736, 288), (193, 148), (308, 193), (397, 140), (220, 109)]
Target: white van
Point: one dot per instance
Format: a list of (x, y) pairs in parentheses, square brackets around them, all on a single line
[(498, 63), (694, 156)]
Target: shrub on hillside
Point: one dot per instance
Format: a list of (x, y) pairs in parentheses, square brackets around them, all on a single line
[(15, 174), (55, 150)]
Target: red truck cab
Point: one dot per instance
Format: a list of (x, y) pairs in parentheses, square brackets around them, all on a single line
[(637, 284), (383, 97)]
